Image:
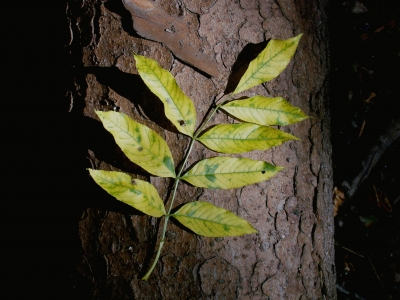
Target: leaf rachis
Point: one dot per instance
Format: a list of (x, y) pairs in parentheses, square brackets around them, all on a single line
[(147, 149)]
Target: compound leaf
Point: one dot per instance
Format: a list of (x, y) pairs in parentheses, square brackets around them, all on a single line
[(239, 138), (208, 220), (140, 144), (269, 63), (227, 172), (179, 109), (265, 111), (137, 193)]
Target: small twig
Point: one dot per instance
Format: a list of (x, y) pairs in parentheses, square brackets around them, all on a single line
[(91, 162), (384, 141), (370, 261), (344, 291), (349, 250), (376, 195), (376, 273), (362, 129)]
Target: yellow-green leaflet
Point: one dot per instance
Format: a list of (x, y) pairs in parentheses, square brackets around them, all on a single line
[(134, 192), (208, 220), (228, 173), (140, 144), (245, 137), (179, 109), (265, 111), (269, 63)]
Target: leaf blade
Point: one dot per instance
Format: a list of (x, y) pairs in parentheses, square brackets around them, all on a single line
[(265, 111), (227, 172), (208, 220), (269, 63), (244, 137), (140, 144), (137, 193), (178, 107)]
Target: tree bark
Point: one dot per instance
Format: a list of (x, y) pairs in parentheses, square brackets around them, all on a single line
[(292, 256)]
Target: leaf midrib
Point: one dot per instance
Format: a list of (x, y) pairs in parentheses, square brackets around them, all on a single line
[(146, 198), (244, 139), (262, 65), (170, 96), (190, 217), (148, 151), (256, 108), (198, 175)]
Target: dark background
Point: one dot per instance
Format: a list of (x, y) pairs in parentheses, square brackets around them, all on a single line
[(365, 59), (42, 173)]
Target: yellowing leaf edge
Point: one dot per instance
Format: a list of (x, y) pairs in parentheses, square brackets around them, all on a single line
[(206, 219), (139, 143), (265, 111), (262, 68), (178, 107), (137, 193)]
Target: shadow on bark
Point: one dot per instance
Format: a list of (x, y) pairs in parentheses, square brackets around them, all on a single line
[(249, 52)]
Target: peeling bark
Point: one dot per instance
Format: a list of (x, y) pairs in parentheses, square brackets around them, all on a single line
[(292, 255), (152, 22)]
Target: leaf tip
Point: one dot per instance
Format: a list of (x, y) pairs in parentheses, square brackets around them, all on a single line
[(252, 230), (297, 38), (295, 138)]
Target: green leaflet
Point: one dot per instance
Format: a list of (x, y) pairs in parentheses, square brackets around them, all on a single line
[(140, 144), (265, 111), (179, 109), (269, 63), (208, 220), (228, 173), (136, 193), (239, 138)]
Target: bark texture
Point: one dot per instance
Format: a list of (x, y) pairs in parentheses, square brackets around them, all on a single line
[(292, 256)]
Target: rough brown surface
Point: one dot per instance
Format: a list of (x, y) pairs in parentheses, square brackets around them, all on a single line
[(292, 255)]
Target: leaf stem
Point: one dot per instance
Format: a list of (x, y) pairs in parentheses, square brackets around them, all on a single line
[(177, 179), (198, 131), (186, 157), (146, 276)]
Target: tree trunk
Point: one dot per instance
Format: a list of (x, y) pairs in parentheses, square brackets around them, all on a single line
[(292, 255)]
